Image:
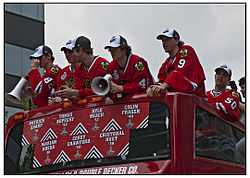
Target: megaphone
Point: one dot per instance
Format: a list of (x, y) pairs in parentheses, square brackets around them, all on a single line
[(15, 95), (101, 85)]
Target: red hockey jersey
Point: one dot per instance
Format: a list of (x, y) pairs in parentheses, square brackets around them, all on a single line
[(184, 73), (66, 77), (83, 77), (43, 86), (136, 76), (226, 103)]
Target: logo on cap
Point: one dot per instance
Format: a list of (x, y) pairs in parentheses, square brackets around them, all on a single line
[(113, 39), (37, 49), (68, 42), (166, 31)]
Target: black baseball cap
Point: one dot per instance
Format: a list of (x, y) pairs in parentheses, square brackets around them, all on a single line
[(82, 42)]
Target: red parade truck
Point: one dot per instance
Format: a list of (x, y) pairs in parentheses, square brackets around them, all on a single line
[(173, 134)]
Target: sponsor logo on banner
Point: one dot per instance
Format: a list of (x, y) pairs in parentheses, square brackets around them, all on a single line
[(78, 136), (132, 169), (111, 132), (130, 110), (49, 141)]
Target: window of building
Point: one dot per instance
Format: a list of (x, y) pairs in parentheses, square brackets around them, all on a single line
[(13, 59), (35, 11), (17, 60)]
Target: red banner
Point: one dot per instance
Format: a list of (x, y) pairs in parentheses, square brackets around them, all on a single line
[(91, 133)]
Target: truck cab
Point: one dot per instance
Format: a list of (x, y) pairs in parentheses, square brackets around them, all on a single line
[(173, 134)]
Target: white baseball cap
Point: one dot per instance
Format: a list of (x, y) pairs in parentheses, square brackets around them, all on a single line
[(116, 41), (225, 68), (41, 50), (69, 45), (170, 34)]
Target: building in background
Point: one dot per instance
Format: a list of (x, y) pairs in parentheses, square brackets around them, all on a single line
[(23, 32)]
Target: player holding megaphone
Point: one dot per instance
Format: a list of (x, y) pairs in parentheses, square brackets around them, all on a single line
[(130, 72), (41, 86)]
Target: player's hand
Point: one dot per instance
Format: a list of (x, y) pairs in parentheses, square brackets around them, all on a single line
[(150, 90), (68, 93), (53, 100), (156, 90), (115, 88), (64, 87)]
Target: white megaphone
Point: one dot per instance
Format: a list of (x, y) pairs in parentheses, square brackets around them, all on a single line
[(15, 95), (101, 85)]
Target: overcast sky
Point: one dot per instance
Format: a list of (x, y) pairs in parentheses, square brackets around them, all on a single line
[(216, 31)]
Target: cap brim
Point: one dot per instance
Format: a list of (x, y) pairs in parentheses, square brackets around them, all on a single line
[(112, 46), (159, 37), (107, 47), (63, 48), (35, 55)]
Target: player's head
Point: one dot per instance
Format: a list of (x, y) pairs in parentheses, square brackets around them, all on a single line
[(118, 47), (44, 54), (222, 76), (68, 52), (170, 40), (82, 48)]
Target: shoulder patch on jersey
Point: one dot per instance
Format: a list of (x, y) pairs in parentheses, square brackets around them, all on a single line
[(139, 66), (105, 65), (54, 70), (184, 52)]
